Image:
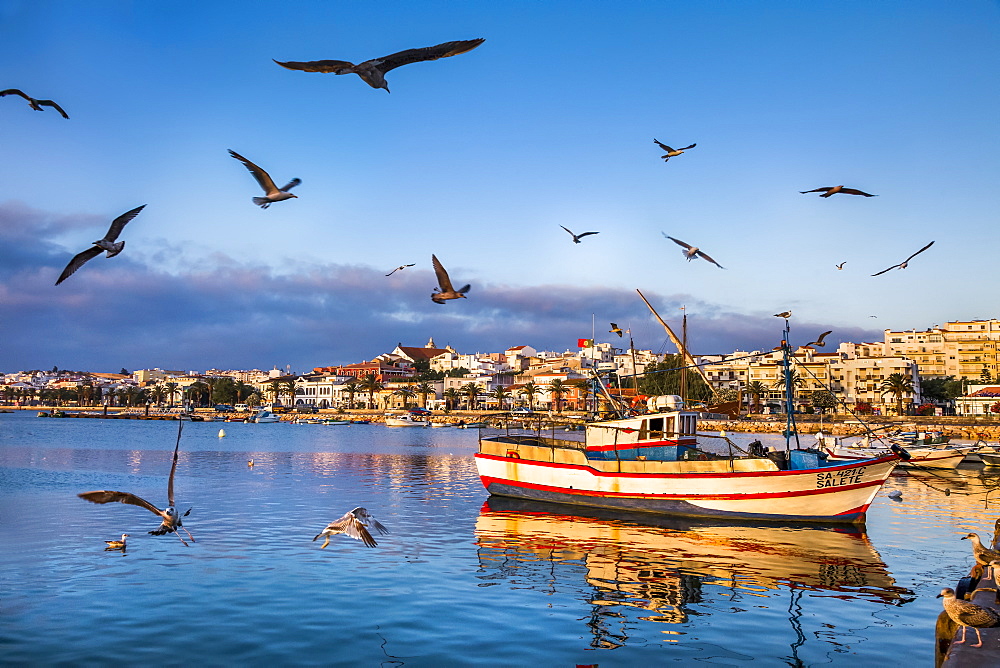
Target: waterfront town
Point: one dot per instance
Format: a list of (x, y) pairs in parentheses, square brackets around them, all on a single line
[(944, 370)]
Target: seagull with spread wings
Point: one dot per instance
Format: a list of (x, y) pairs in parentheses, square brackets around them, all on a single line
[(819, 342), (615, 329), (373, 71), (577, 237), (671, 152), (170, 518), (905, 263), (445, 290), (109, 243), (32, 102), (833, 190), (354, 524), (399, 268), (841, 265), (693, 251), (272, 193)]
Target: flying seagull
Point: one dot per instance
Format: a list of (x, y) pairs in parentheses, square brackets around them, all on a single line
[(116, 544), (904, 263), (272, 193), (784, 314), (819, 342), (692, 251), (833, 190), (615, 329), (373, 71), (33, 103), (577, 237), (399, 268), (171, 520), (445, 290), (108, 243), (671, 152), (841, 265), (353, 524), (967, 613)]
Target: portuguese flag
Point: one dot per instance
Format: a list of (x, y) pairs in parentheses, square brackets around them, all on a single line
[(584, 343)]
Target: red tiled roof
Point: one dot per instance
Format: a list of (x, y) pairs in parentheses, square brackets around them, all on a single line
[(422, 353)]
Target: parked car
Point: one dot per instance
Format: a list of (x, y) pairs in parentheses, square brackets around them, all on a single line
[(306, 409), (522, 411), (419, 411), (224, 408)]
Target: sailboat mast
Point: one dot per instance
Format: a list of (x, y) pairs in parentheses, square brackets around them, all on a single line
[(684, 344), (790, 428)]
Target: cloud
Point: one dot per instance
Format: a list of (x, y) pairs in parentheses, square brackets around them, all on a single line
[(218, 312)]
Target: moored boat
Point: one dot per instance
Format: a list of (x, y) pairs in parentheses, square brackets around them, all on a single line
[(264, 416), (937, 457), (654, 463), (404, 420)]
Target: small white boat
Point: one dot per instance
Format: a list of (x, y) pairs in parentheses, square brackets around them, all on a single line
[(336, 422), (265, 416), (441, 424), (990, 457), (404, 420), (934, 456)]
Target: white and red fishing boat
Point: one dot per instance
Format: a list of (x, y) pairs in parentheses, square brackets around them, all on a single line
[(654, 463)]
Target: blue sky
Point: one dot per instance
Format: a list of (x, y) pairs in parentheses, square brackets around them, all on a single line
[(479, 159)]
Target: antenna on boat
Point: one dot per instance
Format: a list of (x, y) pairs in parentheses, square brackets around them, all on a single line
[(685, 355), (790, 428)]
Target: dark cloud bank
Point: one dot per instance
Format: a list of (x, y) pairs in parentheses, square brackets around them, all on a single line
[(125, 312)]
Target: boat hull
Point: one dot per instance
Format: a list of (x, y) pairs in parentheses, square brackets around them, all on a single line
[(839, 494)]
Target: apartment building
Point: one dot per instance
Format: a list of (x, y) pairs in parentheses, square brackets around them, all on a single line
[(963, 348)]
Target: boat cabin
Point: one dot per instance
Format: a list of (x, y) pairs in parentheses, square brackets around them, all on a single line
[(666, 436)]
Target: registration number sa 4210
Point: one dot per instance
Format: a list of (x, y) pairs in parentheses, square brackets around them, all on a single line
[(839, 478)]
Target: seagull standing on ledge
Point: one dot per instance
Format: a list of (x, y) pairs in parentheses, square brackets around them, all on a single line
[(33, 103), (353, 524), (272, 193), (693, 251), (784, 314), (109, 243), (671, 152), (906, 262), (373, 71), (967, 613), (445, 290), (577, 237), (833, 190)]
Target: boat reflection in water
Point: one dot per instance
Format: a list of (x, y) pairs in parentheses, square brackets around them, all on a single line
[(665, 565)]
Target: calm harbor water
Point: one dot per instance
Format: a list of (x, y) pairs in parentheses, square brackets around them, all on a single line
[(459, 581)]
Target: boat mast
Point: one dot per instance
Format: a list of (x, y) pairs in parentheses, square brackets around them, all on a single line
[(790, 428), (677, 342), (684, 345)]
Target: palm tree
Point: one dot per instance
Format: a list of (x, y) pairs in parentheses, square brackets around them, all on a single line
[(756, 390), (197, 391), (557, 388), (451, 397), (581, 385), (171, 388), (210, 382), (500, 393), (157, 394), (370, 384), (797, 382), (471, 391), (242, 391), (351, 387), (529, 390), (254, 400), (275, 389), (897, 384), (289, 387), (424, 389), (407, 393)]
